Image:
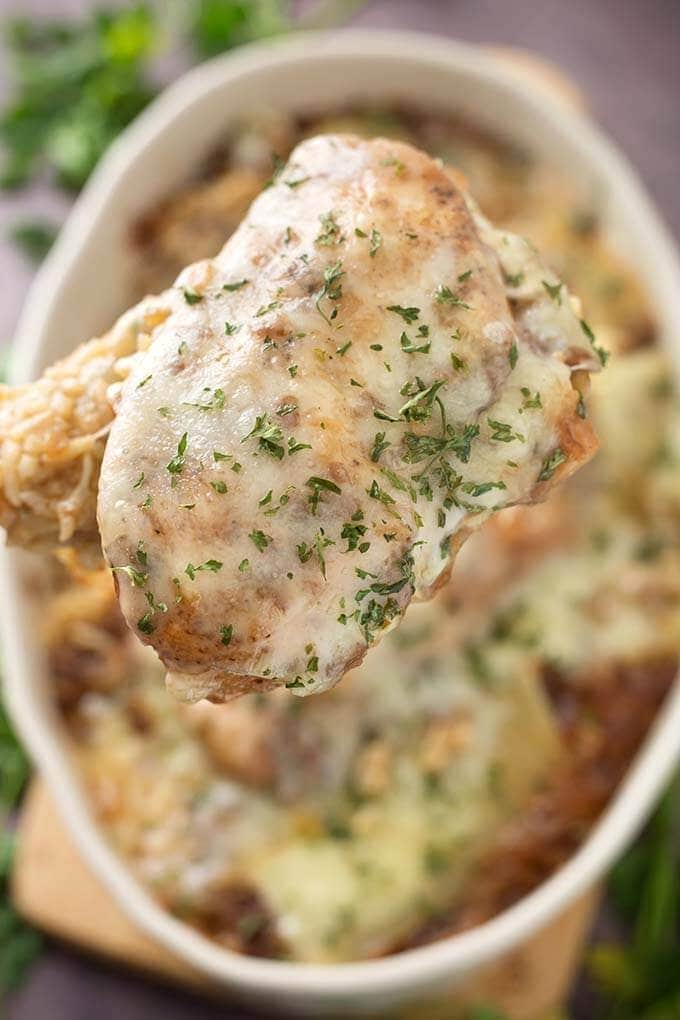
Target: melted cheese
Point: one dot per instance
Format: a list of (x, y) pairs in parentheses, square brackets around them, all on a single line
[(330, 407)]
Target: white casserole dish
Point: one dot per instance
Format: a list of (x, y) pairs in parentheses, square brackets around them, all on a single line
[(83, 286)]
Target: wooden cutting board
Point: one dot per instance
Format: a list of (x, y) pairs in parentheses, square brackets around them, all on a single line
[(56, 891)]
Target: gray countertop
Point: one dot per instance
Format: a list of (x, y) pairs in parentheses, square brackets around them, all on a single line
[(625, 54)]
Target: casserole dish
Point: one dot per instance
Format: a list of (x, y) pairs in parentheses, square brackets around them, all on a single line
[(83, 286)]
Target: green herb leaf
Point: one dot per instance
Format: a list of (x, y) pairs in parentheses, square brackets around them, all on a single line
[(330, 230), (319, 485), (407, 314), (551, 463), (379, 444), (554, 291), (502, 432), (268, 435), (331, 289), (445, 296), (260, 540), (176, 465), (409, 347), (602, 354)]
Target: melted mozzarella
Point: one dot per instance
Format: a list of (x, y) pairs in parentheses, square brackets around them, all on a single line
[(364, 373)]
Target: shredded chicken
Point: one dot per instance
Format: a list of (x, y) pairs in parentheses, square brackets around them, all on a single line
[(53, 433)]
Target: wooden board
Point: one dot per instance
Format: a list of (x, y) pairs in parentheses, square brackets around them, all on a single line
[(56, 891)]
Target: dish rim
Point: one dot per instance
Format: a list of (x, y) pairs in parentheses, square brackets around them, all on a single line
[(634, 798)]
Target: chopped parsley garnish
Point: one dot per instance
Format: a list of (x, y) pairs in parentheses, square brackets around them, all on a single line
[(217, 456), (331, 289), (294, 447), (408, 314), (191, 297), (399, 166), (244, 565), (529, 401), (458, 364), (602, 354), (456, 440), (157, 607), (292, 371), (376, 242), (375, 616), (353, 530), (277, 166), (330, 230), (514, 279), (285, 409), (136, 577), (421, 398), (143, 382), (409, 347), (379, 444), (284, 498), (501, 432), (216, 402), (264, 309), (268, 435), (554, 291), (445, 296), (551, 463), (144, 624), (260, 540), (465, 276), (375, 492), (319, 485), (226, 633), (296, 183), (344, 348), (399, 483), (304, 552), (231, 327), (235, 286), (177, 463), (481, 488), (220, 487), (140, 481), (513, 354), (321, 542), (210, 565)]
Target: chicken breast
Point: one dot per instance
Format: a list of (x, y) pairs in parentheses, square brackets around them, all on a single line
[(363, 375)]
